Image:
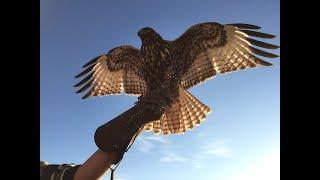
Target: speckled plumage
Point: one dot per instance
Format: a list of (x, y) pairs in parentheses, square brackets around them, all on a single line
[(200, 53)]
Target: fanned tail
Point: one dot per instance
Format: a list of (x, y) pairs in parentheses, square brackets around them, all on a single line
[(185, 113)]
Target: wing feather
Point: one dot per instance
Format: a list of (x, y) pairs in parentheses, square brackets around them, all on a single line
[(92, 61), (258, 34), (113, 73), (208, 49), (245, 26)]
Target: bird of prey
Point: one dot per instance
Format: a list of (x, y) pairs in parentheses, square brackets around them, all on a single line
[(172, 67)]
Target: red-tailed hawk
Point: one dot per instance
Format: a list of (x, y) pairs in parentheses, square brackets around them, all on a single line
[(200, 53)]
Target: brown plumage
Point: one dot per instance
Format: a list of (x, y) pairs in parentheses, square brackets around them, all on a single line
[(200, 53)]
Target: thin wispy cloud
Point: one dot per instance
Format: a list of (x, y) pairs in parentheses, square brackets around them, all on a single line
[(217, 148), (219, 152), (119, 178), (147, 143), (157, 139), (211, 149), (198, 162), (144, 145), (201, 156), (173, 157), (203, 134)]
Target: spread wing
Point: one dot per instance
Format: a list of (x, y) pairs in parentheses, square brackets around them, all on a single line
[(113, 73), (208, 49)]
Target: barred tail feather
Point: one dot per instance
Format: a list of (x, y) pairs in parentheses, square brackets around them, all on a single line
[(185, 113)]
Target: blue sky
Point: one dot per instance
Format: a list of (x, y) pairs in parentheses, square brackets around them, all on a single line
[(240, 139)]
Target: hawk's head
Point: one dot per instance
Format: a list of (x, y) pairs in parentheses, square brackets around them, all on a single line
[(148, 33)]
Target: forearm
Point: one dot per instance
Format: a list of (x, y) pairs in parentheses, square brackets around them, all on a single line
[(120, 132), (96, 166)]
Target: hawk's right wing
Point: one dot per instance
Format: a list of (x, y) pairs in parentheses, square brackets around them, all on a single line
[(113, 73)]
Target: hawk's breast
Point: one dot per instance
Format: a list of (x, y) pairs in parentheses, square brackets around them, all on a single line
[(158, 64)]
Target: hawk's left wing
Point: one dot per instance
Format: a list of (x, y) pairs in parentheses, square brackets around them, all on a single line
[(207, 49), (113, 73)]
